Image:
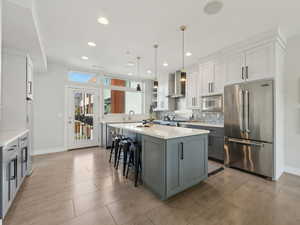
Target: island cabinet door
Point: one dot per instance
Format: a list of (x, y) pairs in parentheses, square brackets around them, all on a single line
[(153, 162), (173, 169), (186, 163), (193, 163)]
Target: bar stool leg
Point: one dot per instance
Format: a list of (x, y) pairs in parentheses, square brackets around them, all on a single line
[(129, 163), (125, 153), (111, 151), (116, 153), (136, 164), (121, 147)]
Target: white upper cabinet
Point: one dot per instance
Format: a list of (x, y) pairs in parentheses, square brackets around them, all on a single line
[(162, 92), (213, 76), (259, 62), (219, 76), (234, 67), (207, 77), (251, 64), (193, 87), (29, 78)]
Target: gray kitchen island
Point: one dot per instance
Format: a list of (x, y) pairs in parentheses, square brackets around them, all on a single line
[(173, 158)]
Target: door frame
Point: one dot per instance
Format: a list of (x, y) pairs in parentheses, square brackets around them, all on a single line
[(66, 104)]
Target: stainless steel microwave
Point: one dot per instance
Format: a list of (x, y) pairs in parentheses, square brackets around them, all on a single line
[(213, 103)]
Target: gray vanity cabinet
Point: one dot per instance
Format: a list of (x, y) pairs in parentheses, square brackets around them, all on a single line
[(173, 165)]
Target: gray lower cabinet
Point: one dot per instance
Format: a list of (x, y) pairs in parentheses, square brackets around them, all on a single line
[(14, 164), (171, 166), (215, 141)]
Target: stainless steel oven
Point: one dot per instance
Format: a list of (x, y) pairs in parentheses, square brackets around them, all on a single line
[(213, 103)]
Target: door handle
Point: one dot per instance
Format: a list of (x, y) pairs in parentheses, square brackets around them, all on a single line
[(242, 110), (246, 142), (247, 113), (182, 153), (242, 73), (246, 71)]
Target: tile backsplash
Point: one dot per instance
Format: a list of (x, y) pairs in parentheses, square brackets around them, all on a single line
[(206, 117), (209, 117)]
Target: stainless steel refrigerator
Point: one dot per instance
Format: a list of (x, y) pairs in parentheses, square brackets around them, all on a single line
[(249, 126)]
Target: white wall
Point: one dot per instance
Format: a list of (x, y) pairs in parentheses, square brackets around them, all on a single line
[(14, 109), (49, 109), (292, 106)]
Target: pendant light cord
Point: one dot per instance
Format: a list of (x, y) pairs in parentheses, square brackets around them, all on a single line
[(182, 49), (155, 60)]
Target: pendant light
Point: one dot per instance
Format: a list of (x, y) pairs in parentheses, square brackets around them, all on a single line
[(183, 73), (138, 86), (155, 85)]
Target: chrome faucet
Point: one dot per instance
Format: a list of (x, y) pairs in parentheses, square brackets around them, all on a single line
[(131, 113)]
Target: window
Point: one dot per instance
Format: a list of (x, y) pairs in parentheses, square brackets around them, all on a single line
[(119, 101), (121, 96), (82, 77)]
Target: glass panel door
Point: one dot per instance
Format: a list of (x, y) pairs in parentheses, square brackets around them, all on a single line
[(83, 127)]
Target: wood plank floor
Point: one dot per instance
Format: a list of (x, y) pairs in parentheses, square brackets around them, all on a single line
[(81, 188)]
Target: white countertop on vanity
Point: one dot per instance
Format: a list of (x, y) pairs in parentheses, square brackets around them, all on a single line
[(160, 131), (7, 136)]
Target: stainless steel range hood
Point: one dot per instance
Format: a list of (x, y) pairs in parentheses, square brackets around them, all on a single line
[(177, 83)]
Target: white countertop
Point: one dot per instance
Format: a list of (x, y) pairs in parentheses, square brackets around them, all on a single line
[(160, 131), (120, 121), (8, 136), (202, 124)]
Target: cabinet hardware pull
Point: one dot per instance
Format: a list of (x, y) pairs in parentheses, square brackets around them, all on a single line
[(24, 139), (12, 148), (242, 73), (182, 154), (246, 72)]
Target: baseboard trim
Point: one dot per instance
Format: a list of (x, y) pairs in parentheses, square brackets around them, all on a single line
[(292, 170), (49, 150)]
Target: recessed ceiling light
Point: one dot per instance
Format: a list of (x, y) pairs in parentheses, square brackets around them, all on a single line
[(130, 64), (149, 71), (84, 57), (130, 74), (103, 20), (212, 7), (188, 54), (165, 64), (92, 44)]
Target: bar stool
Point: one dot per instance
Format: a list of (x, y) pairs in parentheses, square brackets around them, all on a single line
[(114, 148), (123, 148), (135, 160)]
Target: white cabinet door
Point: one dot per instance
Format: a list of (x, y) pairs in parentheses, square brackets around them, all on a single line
[(219, 77), (197, 89), (29, 78), (207, 77), (189, 90), (162, 92), (234, 65), (260, 62)]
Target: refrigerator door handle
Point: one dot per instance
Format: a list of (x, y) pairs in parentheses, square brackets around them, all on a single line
[(247, 113), (242, 108), (246, 142)]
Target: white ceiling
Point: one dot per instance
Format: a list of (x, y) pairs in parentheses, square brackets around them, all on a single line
[(135, 25)]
